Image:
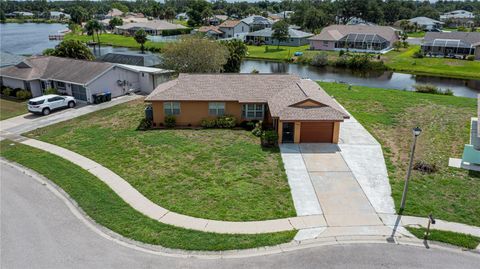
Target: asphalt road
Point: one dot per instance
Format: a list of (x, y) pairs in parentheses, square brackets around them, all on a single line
[(39, 231)]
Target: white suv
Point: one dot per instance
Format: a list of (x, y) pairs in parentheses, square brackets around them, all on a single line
[(47, 103)]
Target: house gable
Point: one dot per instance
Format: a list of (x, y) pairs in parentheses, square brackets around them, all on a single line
[(308, 103)]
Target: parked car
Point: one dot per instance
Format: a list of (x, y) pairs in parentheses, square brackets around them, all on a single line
[(48, 103)]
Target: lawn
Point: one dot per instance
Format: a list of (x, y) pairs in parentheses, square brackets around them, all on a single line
[(403, 61), (116, 40), (450, 194), (105, 207), (416, 34), (272, 53), (11, 108), (452, 238), (209, 173)]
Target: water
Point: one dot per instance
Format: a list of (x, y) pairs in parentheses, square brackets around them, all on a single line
[(379, 79), (28, 38)]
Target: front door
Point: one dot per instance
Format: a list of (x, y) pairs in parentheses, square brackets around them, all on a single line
[(288, 132)]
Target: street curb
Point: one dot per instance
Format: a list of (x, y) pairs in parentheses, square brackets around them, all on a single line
[(229, 254)]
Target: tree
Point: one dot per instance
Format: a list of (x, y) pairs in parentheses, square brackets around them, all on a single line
[(237, 51), (280, 32), (195, 55), (78, 14), (169, 13), (141, 38), (314, 19), (71, 49), (2, 16), (397, 45), (207, 13), (115, 21), (123, 8), (94, 27)]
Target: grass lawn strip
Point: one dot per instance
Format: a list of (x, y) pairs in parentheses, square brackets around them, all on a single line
[(210, 173), (116, 40), (108, 209), (452, 238), (389, 115), (11, 108)]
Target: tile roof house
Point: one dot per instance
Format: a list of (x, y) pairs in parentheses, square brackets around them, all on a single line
[(80, 78), (298, 109), (458, 44), (211, 31), (153, 27), (295, 37), (361, 38), (114, 13)]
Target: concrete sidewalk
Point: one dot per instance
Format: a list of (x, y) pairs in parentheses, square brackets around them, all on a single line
[(29, 122), (139, 202)]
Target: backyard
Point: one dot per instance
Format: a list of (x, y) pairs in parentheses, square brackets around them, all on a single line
[(450, 194), (210, 173), (10, 108), (116, 40)]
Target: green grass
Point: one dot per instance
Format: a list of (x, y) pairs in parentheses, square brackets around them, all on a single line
[(452, 238), (416, 34), (116, 40), (404, 62), (450, 194), (104, 206), (11, 108), (210, 173), (282, 53)]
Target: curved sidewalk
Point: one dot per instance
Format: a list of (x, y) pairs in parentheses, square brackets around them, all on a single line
[(139, 202)]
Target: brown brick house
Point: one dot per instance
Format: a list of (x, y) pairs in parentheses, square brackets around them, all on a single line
[(299, 109)]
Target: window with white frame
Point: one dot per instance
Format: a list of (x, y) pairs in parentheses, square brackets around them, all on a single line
[(171, 108), (253, 111), (216, 108)]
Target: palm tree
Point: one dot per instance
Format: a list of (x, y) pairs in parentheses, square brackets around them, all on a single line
[(141, 38), (94, 27)]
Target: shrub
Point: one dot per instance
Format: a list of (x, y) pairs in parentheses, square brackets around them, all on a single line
[(171, 32), (23, 94), (320, 59), (226, 122), (208, 123), (170, 121), (448, 92), (426, 88), (341, 53), (470, 58), (257, 131), (417, 54), (51, 91), (145, 124), (269, 138), (7, 91), (425, 167)]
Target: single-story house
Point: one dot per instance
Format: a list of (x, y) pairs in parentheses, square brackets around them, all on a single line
[(80, 78), (16, 14), (295, 37), (360, 38), (426, 23), (234, 29), (458, 44), (211, 31), (147, 59), (153, 27), (114, 13), (256, 22), (458, 18), (298, 109), (182, 16)]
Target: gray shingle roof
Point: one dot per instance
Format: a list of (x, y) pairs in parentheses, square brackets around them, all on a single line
[(424, 21), (267, 32), (470, 38), (7, 59), (256, 19), (281, 92), (56, 68)]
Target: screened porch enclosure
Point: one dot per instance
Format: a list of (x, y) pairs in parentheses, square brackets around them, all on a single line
[(447, 47), (362, 42)]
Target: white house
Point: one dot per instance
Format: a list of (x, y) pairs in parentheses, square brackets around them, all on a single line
[(80, 78), (58, 15), (234, 29)]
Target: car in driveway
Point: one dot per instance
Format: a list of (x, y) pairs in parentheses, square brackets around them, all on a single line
[(48, 103)]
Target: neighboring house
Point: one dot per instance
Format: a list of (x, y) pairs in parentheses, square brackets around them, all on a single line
[(425, 23), (16, 14), (182, 16), (114, 13), (298, 109), (458, 18), (153, 27), (217, 19), (126, 20), (256, 23), (358, 21), (295, 37), (80, 78), (234, 29), (148, 60), (57, 15), (457, 44), (285, 14), (361, 38), (211, 31), (8, 59), (471, 152)]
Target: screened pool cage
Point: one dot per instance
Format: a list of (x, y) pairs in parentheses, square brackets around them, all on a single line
[(447, 47), (362, 42)]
